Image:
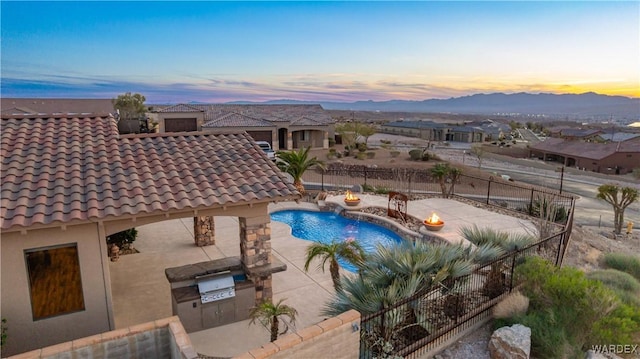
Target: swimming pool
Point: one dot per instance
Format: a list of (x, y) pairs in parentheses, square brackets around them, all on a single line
[(323, 227)]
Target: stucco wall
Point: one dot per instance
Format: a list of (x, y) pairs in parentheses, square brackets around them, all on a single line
[(159, 117), (160, 339), (337, 337), (25, 334)]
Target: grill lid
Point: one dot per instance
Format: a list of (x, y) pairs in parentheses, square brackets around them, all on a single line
[(215, 283)]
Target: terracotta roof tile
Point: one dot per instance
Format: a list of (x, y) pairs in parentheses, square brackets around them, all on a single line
[(59, 169), (180, 108), (233, 119), (591, 150)]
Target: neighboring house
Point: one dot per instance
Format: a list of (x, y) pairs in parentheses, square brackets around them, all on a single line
[(55, 105), (618, 137), (68, 182), (611, 158), (71, 106), (285, 127), (433, 131), (583, 134)]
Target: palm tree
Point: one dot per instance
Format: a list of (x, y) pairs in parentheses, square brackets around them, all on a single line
[(349, 250), (269, 314), (504, 241), (296, 163)]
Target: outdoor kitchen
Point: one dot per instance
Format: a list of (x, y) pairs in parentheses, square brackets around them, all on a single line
[(209, 294)]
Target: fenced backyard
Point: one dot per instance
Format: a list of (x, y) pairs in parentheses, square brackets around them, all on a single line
[(531, 200), (429, 318)]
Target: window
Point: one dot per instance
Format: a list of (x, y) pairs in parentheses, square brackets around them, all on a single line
[(304, 135), (54, 281)]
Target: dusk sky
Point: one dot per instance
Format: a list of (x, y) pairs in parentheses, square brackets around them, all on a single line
[(317, 51)]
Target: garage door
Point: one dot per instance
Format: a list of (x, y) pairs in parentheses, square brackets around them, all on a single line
[(180, 124), (260, 135)]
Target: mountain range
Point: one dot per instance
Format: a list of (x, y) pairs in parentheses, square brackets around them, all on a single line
[(574, 106)]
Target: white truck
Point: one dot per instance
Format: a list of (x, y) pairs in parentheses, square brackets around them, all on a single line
[(266, 147)]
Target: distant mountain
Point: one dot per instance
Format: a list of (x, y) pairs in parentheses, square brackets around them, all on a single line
[(586, 105)]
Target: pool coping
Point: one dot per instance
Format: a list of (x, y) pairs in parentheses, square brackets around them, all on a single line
[(354, 212)]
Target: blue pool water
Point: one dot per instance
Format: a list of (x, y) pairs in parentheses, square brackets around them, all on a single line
[(324, 227)]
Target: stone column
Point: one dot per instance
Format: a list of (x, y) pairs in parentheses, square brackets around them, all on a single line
[(325, 139), (289, 140), (255, 252), (204, 231)]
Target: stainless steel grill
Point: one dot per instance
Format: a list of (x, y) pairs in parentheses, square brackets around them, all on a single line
[(216, 288)]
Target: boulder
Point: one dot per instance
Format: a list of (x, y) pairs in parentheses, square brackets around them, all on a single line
[(512, 342)]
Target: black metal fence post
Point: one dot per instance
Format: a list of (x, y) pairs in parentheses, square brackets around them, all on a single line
[(365, 180), (488, 190), (322, 180), (513, 267), (562, 236), (531, 203)]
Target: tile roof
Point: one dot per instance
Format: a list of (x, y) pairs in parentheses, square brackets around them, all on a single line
[(416, 124), (306, 121), (578, 132), (59, 105), (591, 150), (64, 169), (618, 136), (233, 119), (271, 113), (180, 108)]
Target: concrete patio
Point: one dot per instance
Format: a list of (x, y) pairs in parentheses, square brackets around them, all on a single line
[(141, 292)]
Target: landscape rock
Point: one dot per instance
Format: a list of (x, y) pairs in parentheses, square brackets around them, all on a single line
[(512, 342)]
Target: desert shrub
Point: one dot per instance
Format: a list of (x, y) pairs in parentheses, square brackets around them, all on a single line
[(362, 147), (374, 189), (512, 305), (3, 332), (568, 299), (394, 154), (636, 173), (627, 263), (361, 156), (332, 142), (426, 156), (622, 326), (415, 154), (371, 155), (548, 340), (616, 279), (123, 238), (554, 212)]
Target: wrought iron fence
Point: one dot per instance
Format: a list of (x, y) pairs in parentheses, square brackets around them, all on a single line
[(531, 200), (431, 317)]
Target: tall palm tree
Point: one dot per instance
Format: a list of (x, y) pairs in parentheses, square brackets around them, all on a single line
[(296, 163), (348, 249), (269, 314)]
